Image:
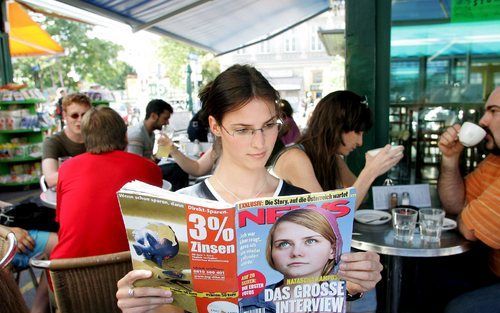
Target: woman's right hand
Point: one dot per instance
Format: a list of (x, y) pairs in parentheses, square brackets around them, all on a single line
[(163, 140), (384, 160), (140, 299)]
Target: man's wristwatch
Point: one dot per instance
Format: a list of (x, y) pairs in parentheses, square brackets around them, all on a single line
[(354, 297)]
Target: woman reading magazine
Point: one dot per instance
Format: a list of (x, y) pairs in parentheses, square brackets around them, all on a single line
[(243, 114)]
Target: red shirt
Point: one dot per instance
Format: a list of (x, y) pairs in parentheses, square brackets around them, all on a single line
[(87, 206)]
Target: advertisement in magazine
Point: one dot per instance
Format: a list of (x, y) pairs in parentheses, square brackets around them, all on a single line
[(289, 249), (189, 246)]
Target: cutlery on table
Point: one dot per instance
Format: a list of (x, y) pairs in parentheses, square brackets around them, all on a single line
[(382, 218)]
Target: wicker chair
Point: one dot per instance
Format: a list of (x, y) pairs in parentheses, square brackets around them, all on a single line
[(11, 300), (86, 284)]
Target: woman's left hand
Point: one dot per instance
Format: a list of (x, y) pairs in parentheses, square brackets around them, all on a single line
[(361, 270)]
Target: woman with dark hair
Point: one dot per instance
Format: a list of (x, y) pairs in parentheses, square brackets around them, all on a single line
[(243, 115), (316, 163)]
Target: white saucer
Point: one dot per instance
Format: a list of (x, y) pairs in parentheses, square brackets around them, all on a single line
[(449, 224), (372, 217)]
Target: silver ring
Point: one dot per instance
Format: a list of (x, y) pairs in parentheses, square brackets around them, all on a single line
[(131, 292)]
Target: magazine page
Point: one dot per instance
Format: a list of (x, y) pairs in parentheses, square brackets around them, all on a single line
[(188, 243), (289, 249)]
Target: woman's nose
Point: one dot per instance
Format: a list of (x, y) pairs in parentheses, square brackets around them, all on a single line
[(297, 250)]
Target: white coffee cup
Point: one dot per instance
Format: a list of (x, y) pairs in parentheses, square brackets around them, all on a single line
[(374, 152), (471, 134)]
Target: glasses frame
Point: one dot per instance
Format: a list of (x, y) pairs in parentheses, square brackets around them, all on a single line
[(278, 123)]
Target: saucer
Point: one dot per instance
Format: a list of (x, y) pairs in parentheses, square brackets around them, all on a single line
[(372, 217), (449, 224)]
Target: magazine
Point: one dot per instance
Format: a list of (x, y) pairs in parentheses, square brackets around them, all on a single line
[(276, 254)]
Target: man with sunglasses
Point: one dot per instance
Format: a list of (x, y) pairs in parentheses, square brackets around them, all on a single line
[(69, 141)]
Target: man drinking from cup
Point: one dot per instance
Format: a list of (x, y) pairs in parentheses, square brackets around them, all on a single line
[(476, 200)]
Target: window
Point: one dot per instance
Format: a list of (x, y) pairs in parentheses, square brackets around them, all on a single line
[(315, 42), (264, 47), (317, 77), (290, 42)]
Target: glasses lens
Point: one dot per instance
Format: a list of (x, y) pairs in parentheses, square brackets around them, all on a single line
[(76, 115)]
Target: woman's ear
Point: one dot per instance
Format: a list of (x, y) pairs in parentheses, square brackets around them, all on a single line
[(214, 126), (331, 256)]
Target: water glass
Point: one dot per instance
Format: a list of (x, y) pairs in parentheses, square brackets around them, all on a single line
[(431, 224), (404, 221)]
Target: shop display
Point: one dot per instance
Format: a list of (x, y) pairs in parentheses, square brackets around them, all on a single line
[(21, 135)]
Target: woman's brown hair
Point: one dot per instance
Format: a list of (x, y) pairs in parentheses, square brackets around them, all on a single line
[(337, 113)]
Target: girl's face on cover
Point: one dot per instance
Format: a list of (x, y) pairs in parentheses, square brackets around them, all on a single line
[(238, 143), (299, 251)]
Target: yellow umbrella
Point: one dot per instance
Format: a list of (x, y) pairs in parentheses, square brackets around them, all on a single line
[(26, 37)]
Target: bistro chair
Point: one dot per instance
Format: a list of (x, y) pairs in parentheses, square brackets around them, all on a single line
[(11, 300), (86, 284)]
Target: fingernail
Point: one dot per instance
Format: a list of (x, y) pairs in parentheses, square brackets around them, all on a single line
[(343, 267)]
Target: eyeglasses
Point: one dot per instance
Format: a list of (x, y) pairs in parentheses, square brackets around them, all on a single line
[(247, 132), (76, 115)]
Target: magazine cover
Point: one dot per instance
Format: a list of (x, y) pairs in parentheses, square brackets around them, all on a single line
[(289, 249), (188, 243), (214, 257)]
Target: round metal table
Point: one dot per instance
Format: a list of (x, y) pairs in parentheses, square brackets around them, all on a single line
[(380, 239)]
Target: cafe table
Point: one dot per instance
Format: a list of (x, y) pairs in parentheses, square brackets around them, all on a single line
[(380, 239)]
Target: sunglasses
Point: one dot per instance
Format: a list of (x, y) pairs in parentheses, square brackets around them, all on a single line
[(76, 115)]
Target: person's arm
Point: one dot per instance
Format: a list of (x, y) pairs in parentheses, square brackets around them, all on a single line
[(295, 167), (199, 167), (451, 187), (374, 167), (50, 168)]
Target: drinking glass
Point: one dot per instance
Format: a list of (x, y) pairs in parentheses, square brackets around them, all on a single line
[(404, 221), (431, 224), (164, 150)]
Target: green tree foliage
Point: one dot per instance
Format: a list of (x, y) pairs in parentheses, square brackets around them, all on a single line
[(89, 59), (175, 56)]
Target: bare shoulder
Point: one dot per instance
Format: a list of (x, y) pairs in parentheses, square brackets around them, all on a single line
[(292, 156)]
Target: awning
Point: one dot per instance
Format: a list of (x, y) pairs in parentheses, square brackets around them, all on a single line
[(26, 38), (219, 26)]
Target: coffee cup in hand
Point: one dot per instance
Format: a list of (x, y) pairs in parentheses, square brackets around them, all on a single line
[(374, 152), (471, 134)]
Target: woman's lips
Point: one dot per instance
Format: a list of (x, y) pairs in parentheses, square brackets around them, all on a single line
[(296, 264), (257, 155)]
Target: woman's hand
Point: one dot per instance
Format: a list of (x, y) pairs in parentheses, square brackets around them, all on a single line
[(163, 140), (140, 299), (384, 160), (361, 270), (24, 241)]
